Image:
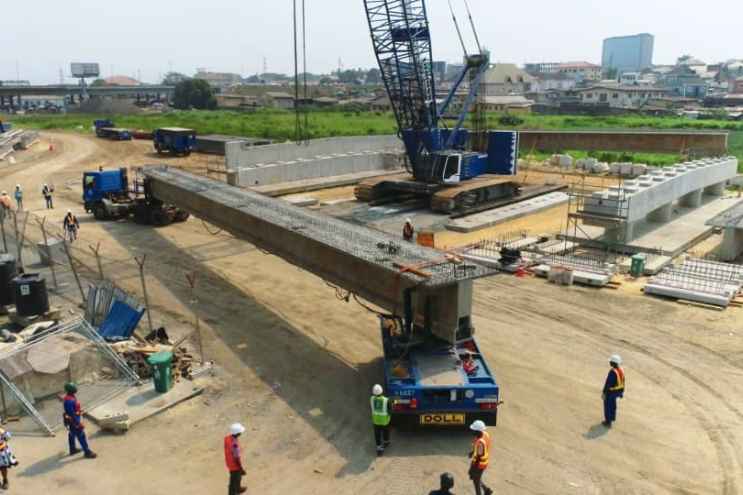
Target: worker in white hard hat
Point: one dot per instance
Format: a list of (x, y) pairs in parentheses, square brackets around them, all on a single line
[(232, 459), (479, 457), (408, 231), (613, 389), (381, 417)]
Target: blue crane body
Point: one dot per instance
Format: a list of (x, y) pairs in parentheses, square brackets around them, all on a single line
[(426, 377), (438, 156)]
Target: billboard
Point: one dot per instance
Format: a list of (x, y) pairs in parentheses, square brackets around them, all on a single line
[(85, 70)]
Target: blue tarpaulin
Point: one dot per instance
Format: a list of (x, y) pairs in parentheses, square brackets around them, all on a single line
[(120, 322)]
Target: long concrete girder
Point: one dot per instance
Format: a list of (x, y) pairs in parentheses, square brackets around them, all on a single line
[(353, 257)]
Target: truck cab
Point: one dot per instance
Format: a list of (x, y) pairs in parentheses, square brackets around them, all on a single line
[(103, 188)]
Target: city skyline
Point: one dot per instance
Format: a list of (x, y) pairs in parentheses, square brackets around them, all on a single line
[(146, 41)]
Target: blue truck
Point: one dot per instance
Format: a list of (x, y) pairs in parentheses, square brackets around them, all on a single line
[(174, 140), (110, 195), (106, 129), (427, 381)]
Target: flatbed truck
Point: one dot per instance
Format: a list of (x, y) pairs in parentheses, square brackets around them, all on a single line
[(109, 195), (106, 129), (174, 140)]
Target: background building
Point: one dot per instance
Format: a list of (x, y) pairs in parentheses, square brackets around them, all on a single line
[(628, 53)]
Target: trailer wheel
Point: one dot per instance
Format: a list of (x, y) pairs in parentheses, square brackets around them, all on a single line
[(160, 218), (99, 212)]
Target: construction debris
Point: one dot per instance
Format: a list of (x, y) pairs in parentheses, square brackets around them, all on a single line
[(135, 354)]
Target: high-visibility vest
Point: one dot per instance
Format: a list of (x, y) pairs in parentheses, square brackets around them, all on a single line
[(484, 459), (2, 440), (620, 380), (229, 454), (380, 410)]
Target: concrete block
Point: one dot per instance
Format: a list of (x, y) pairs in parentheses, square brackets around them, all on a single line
[(732, 244), (715, 189), (662, 214), (691, 200)]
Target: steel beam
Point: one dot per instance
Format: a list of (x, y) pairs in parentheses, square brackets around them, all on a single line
[(355, 258)]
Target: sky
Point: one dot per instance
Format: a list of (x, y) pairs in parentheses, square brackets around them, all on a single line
[(146, 38)]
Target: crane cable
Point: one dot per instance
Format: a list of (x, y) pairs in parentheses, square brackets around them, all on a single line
[(472, 23), (459, 31), (300, 110)]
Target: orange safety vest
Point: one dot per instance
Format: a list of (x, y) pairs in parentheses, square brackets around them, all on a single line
[(620, 380), (484, 458), (2, 440), (229, 456)]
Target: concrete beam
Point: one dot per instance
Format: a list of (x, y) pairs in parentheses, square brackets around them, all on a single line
[(355, 258), (716, 189)]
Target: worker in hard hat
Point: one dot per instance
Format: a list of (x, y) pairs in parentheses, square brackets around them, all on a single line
[(47, 192), (7, 458), (73, 420), (71, 225), (446, 484), (381, 417), (479, 457), (408, 231), (232, 456), (19, 197), (613, 390)]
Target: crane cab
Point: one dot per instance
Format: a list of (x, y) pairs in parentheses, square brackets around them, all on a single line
[(454, 166)]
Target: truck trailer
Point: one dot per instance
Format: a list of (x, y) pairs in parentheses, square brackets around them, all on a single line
[(174, 140), (106, 129)]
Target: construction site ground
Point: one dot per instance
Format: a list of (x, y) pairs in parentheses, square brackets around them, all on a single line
[(296, 366)]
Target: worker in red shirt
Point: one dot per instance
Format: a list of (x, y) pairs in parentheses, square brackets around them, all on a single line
[(232, 459), (469, 365)]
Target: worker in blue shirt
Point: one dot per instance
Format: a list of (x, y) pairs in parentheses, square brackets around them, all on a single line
[(73, 420), (613, 390)]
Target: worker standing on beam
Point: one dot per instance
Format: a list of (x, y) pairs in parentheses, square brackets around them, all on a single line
[(613, 390), (408, 231), (480, 457), (73, 420), (380, 409), (232, 456)]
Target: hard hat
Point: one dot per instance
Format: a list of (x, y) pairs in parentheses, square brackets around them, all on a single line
[(377, 389), (616, 359), (17, 186), (70, 387), (5, 192), (478, 425), (407, 220), (69, 211), (237, 429), (447, 481)]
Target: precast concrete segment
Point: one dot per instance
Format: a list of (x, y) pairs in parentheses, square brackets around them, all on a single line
[(635, 200), (356, 258)]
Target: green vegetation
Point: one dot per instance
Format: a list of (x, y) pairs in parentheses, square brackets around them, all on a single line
[(194, 93), (279, 125)]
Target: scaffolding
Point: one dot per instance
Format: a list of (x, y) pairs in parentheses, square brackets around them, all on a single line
[(33, 374)]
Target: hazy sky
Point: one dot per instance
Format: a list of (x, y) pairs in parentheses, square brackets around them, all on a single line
[(149, 37)]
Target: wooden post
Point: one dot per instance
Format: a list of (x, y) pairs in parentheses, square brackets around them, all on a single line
[(20, 237), (42, 224), (74, 270), (140, 262), (2, 227), (192, 284), (96, 251)]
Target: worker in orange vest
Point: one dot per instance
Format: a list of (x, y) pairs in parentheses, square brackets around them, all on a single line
[(479, 457), (613, 390), (232, 459)]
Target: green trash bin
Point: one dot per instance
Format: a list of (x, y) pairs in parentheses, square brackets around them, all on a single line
[(162, 370), (637, 268)]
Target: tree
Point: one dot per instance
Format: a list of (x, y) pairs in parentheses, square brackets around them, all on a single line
[(98, 82), (173, 78), (611, 73), (194, 93)]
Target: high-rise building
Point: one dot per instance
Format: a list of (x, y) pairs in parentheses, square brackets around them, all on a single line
[(628, 53)]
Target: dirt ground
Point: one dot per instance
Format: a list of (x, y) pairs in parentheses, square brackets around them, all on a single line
[(297, 365)]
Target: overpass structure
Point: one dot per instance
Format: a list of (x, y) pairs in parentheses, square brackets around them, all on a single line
[(13, 95), (414, 282)]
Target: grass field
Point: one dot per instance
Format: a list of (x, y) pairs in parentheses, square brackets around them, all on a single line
[(280, 125)]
